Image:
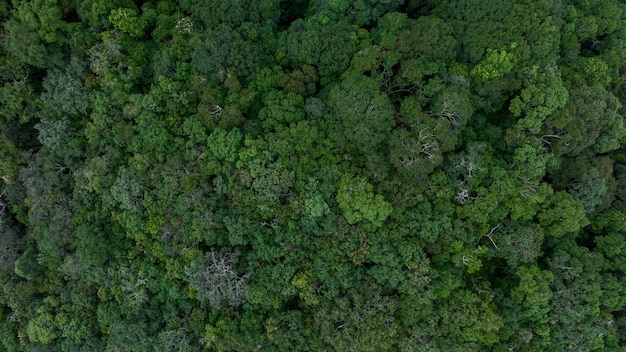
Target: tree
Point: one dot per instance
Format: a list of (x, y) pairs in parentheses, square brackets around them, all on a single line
[(418, 144), (175, 340), (186, 175), (453, 104), (533, 295), (587, 21), (363, 322), (271, 182), (427, 36), (589, 123), (301, 81), (531, 161), (223, 52), (325, 44), (53, 133), (518, 243), (469, 11), (416, 153), (50, 205), (281, 110), (467, 319), (212, 13), (36, 33), (28, 264), (127, 21), (10, 240), (122, 334), (577, 299), (589, 180), (358, 202), (496, 63), (291, 331), (211, 54), (105, 56), (224, 145), (18, 101), (10, 162), (97, 12), (590, 190), (215, 280), (361, 13), (562, 214), (544, 94), (361, 116), (127, 190)]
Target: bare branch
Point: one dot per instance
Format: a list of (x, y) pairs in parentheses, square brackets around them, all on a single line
[(490, 236)]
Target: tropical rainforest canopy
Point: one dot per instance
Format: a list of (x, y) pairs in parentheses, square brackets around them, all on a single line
[(312, 175)]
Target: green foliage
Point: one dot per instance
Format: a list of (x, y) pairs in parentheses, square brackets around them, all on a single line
[(18, 101), (517, 243), (44, 327), (361, 13), (561, 215), (63, 90), (281, 109), (224, 145), (313, 42), (126, 191), (598, 126), (590, 189), (577, 279), (27, 265), (469, 320), (212, 13), (533, 295), (362, 113), (358, 202), (36, 33), (453, 104), (539, 99), (53, 132), (10, 242), (301, 81), (531, 161), (98, 13), (417, 151), (127, 21), (10, 160), (350, 175), (270, 180), (595, 71), (496, 63), (427, 36), (475, 11), (365, 322), (212, 54)]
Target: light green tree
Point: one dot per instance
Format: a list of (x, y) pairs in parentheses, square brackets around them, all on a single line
[(128, 21), (358, 202), (496, 63)]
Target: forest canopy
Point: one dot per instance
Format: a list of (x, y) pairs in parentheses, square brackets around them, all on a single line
[(312, 175)]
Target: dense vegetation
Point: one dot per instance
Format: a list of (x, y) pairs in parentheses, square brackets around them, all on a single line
[(308, 175)]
